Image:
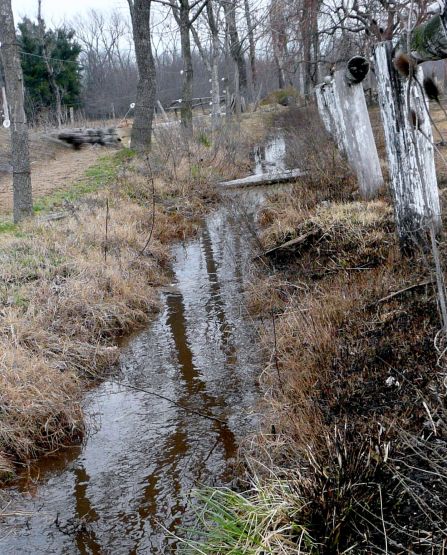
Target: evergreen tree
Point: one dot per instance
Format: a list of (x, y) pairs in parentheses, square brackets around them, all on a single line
[(51, 68)]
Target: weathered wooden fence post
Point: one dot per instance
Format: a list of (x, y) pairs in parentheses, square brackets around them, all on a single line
[(329, 113), (409, 145), (342, 107)]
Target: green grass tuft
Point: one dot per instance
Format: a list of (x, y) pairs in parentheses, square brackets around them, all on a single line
[(96, 177), (204, 140), (7, 227), (263, 521)]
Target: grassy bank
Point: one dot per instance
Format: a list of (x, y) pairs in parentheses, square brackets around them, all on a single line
[(353, 456), (86, 270)]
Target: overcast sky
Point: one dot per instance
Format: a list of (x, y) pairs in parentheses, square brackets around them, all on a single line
[(55, 11)]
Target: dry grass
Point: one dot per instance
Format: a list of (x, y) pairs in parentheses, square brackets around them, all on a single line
[(63, 303), (68, 290), (355, 384), (349, 357), (211, 155)]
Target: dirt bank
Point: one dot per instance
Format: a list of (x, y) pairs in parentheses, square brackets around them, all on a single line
[(353, 458)]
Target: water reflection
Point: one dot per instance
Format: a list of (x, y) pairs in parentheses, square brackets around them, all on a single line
[(136, 470), (85, 536)]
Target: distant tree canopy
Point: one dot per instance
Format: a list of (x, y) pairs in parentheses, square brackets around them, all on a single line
[(49, 61)]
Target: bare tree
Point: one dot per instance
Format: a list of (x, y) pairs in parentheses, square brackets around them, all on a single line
[(140, 11), (185, 18), (109, 70), (237, 52), (49, 65), (22, 193)]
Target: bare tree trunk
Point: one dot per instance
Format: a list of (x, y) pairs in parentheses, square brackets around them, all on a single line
[(57, 93), (140, 11), (181, 12), (215, 85), (279, 69), (22, 193), (188, 73), (211, 65), (237, 91), (279, 39), (236, 48), (309, 31), (252, 46)]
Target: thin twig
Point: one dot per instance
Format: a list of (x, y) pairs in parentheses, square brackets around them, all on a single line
[(106, 244), (177, 404), (153, 207), (383, 520), (275, 354), (397, 293)]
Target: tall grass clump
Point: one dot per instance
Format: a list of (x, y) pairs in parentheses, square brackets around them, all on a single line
[(262, 520)]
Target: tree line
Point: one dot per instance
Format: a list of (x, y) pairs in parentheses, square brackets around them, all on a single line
[(175, 49), (249, 47)]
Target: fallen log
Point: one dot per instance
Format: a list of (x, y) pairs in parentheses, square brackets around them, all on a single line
[(302, 239), (270, 178), (55, 216), (99, 136)]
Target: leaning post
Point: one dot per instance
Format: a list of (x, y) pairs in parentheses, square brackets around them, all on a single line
[(409, 145), (329, 112), (342, 106)]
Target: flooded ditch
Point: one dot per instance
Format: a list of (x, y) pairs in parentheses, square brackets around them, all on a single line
[(126, 488)]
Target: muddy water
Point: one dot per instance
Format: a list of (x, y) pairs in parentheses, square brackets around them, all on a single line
[(129, 483)]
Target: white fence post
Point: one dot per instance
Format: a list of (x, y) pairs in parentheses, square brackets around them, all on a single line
[(416, 196), (328, 109), (342, 106)]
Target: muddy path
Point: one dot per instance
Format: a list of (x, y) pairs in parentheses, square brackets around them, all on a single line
[(126, 490), (53, 167)]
